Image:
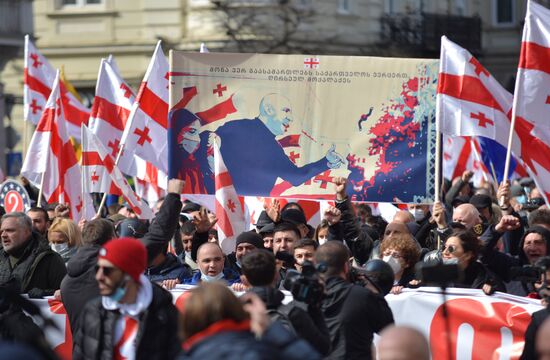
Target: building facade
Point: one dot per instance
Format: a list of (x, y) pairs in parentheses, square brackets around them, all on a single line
[(78, 33)]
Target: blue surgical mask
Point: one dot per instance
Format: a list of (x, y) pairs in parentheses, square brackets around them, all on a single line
[(521, 199), (208, 278), (120, 291)]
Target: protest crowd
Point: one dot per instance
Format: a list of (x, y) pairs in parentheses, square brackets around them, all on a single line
[(171, 278), (112, 274)]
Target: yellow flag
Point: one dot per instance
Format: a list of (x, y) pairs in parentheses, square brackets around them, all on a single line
[(68, 84)]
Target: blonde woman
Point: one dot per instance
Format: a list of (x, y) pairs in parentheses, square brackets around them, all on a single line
[(64, 237)]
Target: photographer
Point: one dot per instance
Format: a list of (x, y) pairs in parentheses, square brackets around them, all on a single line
[(353, 313), (306, 320), (538, 317)]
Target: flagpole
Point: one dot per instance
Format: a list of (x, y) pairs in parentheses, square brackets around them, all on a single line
[(39, 201), (511, 133)]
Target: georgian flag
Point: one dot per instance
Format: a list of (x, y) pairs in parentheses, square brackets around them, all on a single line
[(146, 132), (470, 102), (533, 96), (98, 164), (229, 208), (38, 81), (51, 157)]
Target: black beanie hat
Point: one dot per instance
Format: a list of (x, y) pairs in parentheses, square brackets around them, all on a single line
[(250, 237)]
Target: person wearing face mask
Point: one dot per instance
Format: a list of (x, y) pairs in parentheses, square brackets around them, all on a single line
[(401, 252), (321, 232), (210, 259), (133, 318), (425, 223), (190, 152), (462, 248), (64, 237)]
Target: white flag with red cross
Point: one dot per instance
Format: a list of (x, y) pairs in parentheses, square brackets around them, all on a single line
[(51, 156), (38, 81), (229, 208), (470, 102), (533, 96), (98, 163), (147, 129), (110, 112), (461, 153)]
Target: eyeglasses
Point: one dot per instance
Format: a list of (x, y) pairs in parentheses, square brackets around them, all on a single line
[(450, 248), (107, 270)]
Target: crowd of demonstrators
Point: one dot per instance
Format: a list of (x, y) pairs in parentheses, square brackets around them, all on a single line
[(113, 272)]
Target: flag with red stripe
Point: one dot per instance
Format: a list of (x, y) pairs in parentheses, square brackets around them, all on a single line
[(470, 102), (38, 81), (51, 156), (229, 208), (532, 93), (96, 160), (146, 132)]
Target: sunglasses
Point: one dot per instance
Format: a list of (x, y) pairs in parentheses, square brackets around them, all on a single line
[(450, 248), (107, 270)]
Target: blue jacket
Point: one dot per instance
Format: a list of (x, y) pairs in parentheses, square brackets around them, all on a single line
[(255, 159), (229, 275)]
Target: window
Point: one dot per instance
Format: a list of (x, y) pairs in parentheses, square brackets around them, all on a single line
[(80, 2), (344, 6), (504, 12)]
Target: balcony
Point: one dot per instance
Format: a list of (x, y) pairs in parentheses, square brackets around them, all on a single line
[(420, 34)]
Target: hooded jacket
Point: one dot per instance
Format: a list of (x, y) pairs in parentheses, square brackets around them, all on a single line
[(80, 284), (353, 314), (307, 321), (170, 268)]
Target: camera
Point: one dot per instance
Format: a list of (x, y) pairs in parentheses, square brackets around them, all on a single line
[(439, 273), (306, 286), (533, 204)]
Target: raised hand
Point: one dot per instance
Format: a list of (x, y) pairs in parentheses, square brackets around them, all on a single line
[(332, 215), (340, 187)]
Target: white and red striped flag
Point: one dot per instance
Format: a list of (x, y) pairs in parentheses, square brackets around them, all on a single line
[(470, 102), (532, 91), (229, 208), (110, 112), (99, 166), (51, 156), (38, 81), (147, 129)]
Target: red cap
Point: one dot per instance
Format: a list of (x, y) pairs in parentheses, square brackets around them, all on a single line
[(127, 254)]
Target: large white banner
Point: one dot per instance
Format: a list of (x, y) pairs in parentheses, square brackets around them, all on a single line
[(481, 326)]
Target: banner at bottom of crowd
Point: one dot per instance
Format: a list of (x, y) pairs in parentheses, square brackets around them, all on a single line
[(287, 125), (481, 326)]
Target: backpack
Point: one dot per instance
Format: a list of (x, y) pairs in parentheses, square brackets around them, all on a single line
[(281, 314)]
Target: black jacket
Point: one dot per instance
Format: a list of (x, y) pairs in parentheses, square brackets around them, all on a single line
[(157, 336), (348, 229), (537, 318), (38, 267), (170, 268), (276, 343), (307, 321), (80, 286), (353, 314)]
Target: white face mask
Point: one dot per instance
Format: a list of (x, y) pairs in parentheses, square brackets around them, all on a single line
[(59, 248), (450, 261), (208, 278), (393, 263), (322, 240), (418, 214)]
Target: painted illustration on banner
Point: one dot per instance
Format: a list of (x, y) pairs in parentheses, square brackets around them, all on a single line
[(288, 124)]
